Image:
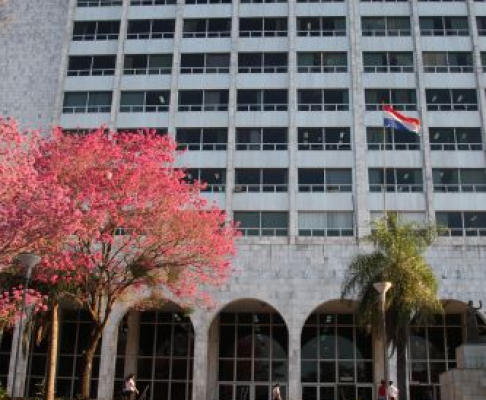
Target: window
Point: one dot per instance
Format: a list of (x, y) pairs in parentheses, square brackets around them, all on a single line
[(262, 223), (261, 139), (200, 63), (95, 30), (147, 64), (86, 102), (323, 26), (401, 99), (461, 223), (5, 350), (268, 180), (388, 61), (257, 63), (395, 140), (151, 2), (455, 139), (481, 21), (202, 138), (325, 180), (207, 28), (447, 61), (448, 180), (417, 217), (451, 99), (444, 26), (324, 138), (318, 62), (323, 99), (214, 178), (257, 27), (397, 180), (262, 100), (91, 65), (203, 100), (330, 223), (150, 29), (99, 3), (208, 1), (385, 26), (147, 101)]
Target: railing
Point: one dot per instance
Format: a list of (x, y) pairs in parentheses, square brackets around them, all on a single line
[(456, 146), (323, 107), (481, 31), (263, 1), (452, 107), (91, 72), (144, 108), (448, 68), (261, 146), (150, 35), (208, 1), (151, 2), (311, 33), (468, 188), (265, 33), (147, 71), (320, 1), (319, 188), (387, 32), (215, 188), (399, 107), (203, 107), (324, 146), (263, 231), (85, 109), (222, 34), (394, 146), (204, 70), (444, 32), (388, 68), (99, 3), (95, 36), (410, 188), (260, 187), (262, 107), (262, 69), (326, 232), (462, 232), (202, 146), (322, 68)]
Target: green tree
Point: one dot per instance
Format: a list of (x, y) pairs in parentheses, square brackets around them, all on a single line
[(397, 257)]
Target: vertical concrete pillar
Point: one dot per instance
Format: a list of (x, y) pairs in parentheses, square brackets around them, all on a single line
[(212, 359), (379, 366), (200, 368), (295, 388), (22, 361), (133, 335)]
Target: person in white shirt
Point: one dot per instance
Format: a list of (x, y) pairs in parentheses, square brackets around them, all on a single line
[(129, 388), (392, 391), (276, 392)]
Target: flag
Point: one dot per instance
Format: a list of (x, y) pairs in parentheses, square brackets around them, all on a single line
[(394, 119)]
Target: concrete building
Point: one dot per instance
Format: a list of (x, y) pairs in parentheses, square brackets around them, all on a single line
[(279, 105)]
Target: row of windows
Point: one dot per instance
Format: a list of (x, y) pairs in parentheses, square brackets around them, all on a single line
[(334, 223), (106, 3), (318, 180), (273, 26), (269, 100), (271, 62)]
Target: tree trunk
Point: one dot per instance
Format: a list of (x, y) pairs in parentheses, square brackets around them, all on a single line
[(53, 346), (94, 338), (402, 370)]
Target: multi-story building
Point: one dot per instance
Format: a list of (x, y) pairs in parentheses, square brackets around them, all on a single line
[(278, 103)]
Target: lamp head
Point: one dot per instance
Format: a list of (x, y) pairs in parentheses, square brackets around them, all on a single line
[(28, 260), (382, 287)]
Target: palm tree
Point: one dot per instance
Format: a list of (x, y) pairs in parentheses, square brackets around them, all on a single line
[(397, 257)]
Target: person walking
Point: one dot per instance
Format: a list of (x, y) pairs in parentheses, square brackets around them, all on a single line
[(382, 390), (276, 392), (392, 391), (129, 388)]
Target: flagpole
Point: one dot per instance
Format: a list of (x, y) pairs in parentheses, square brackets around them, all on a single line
[(384, 167)]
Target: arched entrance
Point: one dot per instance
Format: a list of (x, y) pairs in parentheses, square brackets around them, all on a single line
[(337, 355), (252, 352), (158, 347)]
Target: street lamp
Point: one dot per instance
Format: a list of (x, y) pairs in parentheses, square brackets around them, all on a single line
[(28, 261), (382, 288)]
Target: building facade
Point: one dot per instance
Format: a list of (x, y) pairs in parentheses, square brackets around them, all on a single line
[(278, 103)]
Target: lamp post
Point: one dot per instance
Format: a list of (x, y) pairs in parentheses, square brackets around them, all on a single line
[(28, 261), (382, 288)]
